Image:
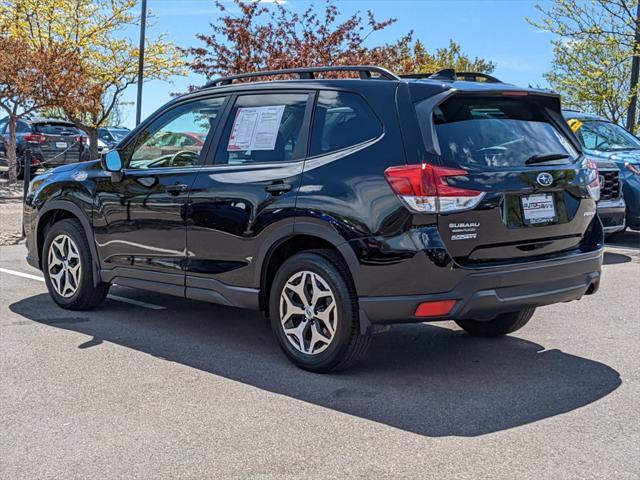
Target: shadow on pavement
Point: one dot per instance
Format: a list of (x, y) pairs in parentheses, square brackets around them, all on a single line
[(429, 380), (611, 258), (626, 239)]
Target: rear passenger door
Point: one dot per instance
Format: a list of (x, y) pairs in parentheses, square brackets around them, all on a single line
[(247, 192)]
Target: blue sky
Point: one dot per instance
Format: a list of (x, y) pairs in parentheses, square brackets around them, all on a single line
[(492, 29)]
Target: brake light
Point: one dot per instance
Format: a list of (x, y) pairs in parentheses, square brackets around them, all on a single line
[(35, 138), (438, 308), (515, 93), (424, 188), (593, 178)]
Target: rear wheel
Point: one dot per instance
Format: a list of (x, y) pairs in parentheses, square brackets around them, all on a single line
[(501, 325), (66, 265), (314, 314)]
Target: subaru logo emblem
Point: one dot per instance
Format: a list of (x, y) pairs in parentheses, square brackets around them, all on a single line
[(545, 179)]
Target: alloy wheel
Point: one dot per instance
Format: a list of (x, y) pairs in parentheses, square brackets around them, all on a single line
[(64, 266), (308, 312)]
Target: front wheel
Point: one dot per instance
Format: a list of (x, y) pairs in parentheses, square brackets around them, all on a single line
[(314, 314), (66, 265), (501, 325)]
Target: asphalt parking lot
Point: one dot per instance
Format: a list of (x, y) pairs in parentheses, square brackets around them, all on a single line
[(169, 388)]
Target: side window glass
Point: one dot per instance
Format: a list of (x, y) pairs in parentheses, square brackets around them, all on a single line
[(22, 127), (263, 128), (589, 137), (341, 120), (176, 139), (3, 125)]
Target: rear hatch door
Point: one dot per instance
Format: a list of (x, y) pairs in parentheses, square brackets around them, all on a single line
[(514, 148), (61, 142)]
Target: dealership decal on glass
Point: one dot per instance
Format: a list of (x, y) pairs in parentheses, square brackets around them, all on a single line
[(255, 128)]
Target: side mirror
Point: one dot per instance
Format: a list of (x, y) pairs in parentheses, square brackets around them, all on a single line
[(112, 162)]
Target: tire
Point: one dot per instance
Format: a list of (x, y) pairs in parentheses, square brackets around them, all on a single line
[(68, 236), (335, 308), (501, 325)]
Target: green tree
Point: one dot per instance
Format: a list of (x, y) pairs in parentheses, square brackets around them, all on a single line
[(92, 29), (36, 77), (593, 55), (415, 58)]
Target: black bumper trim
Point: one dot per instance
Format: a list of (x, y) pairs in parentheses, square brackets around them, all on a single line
[(484, 294)]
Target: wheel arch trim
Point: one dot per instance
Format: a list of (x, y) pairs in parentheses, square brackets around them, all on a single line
[(311, 229), (76, 211)]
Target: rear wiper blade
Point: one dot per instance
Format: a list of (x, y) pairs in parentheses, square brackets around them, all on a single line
[(545, 158)]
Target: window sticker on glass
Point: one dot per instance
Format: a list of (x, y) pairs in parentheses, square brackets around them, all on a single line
[(255, 128)]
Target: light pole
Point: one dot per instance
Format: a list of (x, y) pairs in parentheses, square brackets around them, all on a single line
[(143, 25), (635, 70)]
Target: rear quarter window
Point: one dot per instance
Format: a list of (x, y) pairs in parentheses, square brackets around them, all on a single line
[(496, 132), (342, 119)]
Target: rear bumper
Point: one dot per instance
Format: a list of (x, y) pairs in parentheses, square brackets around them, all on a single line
[(485, 294), (612, 214)]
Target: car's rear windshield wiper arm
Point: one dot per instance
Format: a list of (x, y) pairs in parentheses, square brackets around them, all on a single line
[(545, 158)]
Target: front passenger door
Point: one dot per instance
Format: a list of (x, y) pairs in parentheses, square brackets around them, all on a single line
[(139, 222)]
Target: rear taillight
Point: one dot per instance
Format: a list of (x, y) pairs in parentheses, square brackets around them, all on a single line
[(424, 188), (594, 179), (35, 138)]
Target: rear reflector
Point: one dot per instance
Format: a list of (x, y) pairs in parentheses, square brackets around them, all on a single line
[(438, 308), (424, 188)]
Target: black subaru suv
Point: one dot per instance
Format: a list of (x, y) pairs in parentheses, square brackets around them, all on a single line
[(336, 206)]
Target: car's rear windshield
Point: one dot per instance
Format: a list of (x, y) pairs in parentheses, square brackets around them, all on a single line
[(118, 133), (56, 129), (497, 132)]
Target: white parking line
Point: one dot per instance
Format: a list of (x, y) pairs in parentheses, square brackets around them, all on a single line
[(117, 298)]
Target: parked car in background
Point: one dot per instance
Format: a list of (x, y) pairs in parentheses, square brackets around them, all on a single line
[(111, 136), (606, 141), (52, 142), (337, 206)]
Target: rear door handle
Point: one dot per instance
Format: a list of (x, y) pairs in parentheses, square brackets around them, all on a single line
[(277, 188), (177, 188)]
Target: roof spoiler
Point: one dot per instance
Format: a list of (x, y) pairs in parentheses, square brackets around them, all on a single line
[(450, 75)]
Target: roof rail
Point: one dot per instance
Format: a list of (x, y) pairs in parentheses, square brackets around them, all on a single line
[(364, 71), (451, 75)]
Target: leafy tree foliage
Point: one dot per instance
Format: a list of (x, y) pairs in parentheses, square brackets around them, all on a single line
[(92, 30), (592, 57), (277, 37), (48, 75)]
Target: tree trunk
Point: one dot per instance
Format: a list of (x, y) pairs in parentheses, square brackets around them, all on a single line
[(11, 150), (92, 133)]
